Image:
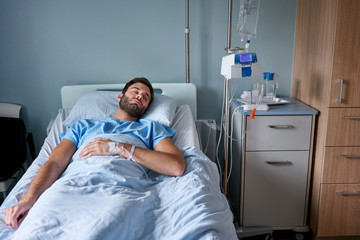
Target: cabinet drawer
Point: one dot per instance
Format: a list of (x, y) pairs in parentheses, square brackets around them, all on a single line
[(341, 165), (275, 188), (278, 133), (346, 132), (339, 210)]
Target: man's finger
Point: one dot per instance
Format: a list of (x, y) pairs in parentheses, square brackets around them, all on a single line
[(6, 216), (14, 221)]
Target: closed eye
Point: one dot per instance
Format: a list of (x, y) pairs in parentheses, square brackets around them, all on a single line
[(144, 94)]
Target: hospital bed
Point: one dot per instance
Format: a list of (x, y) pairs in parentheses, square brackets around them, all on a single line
[(108, 198)]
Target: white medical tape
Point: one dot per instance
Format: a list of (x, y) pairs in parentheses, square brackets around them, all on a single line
[(113, 148)]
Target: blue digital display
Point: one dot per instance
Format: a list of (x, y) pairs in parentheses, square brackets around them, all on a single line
[(246, 57)]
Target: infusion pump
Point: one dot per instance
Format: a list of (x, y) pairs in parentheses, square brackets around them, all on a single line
[(240, 65)]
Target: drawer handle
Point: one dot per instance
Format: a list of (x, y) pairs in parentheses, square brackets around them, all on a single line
[(349, 156), (281, 126), (279, 162), (341, 81), (348, 193), (353, 118)]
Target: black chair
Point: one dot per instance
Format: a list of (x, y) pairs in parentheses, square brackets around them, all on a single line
[(13, 145)]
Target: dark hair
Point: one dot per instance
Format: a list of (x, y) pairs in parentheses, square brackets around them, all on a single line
[(140, 80)]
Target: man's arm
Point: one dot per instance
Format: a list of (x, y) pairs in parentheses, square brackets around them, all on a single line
[(46, 176), (166, 158)]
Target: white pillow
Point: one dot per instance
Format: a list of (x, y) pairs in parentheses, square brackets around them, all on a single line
[(103, 104)]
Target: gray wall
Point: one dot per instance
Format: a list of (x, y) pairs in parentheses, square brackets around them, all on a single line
[(47, 44)]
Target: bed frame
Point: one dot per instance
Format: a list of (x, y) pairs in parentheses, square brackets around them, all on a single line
[(183, 93)]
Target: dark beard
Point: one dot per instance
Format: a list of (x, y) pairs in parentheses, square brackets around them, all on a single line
[(131, 108)]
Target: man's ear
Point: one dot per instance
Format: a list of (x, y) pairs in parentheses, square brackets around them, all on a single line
[(120, 96)]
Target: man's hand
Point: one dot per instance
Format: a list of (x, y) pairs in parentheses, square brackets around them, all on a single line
[(98, 147), (49, 172), (14, 215)]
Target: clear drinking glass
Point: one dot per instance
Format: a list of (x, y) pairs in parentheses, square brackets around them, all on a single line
[(257, 93)]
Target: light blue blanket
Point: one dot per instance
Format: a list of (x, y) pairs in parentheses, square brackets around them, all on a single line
[(112, 198)]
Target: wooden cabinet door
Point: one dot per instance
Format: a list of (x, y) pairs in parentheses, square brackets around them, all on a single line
[(343, 127), (346, 60), (339, 210), (341, 165)]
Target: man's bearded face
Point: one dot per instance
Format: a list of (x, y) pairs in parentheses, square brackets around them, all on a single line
[(133, 109)]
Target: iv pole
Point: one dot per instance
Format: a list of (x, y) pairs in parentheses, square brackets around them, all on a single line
[(227, 102), (229, 26), (240, 231)]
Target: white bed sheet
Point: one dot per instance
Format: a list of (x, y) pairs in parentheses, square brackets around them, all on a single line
[(202, 213)]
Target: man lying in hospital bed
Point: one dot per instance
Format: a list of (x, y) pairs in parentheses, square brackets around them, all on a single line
[(123, 137)]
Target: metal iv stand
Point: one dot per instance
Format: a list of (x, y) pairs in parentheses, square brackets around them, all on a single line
[(227, 100), (240, 231), (229, 50)]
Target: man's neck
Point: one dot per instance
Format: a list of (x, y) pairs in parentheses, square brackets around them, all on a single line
[(122, 115)]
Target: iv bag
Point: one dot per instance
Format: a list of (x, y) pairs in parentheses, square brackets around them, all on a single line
[(248, 17)]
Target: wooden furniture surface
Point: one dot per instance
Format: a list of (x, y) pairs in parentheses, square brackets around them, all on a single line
[(343, 200), (343, 127), (326, 77), (341, 165)]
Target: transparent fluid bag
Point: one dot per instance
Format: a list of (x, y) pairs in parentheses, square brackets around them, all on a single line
[(248, 17)]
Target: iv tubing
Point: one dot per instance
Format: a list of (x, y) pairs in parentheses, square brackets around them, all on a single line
[(219, 140), (226, 131)]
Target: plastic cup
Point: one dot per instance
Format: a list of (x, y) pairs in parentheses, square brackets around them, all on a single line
[(257, 93)]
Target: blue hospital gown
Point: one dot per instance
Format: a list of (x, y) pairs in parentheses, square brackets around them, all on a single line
[(150, 133)]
